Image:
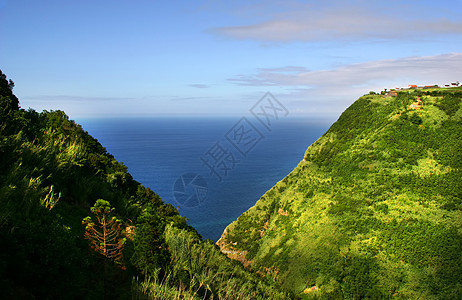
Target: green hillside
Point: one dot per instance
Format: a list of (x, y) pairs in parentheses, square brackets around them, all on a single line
[(75, 225), (372, 211)]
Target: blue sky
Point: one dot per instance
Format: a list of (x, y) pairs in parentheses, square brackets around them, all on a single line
[(217, 58)]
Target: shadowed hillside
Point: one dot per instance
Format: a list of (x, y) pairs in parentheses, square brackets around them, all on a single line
[(75, 225)]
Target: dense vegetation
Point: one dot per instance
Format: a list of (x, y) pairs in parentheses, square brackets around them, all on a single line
[(75, 225), (374, 210)]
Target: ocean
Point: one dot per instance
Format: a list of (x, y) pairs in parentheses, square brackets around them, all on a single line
[(212, 169)]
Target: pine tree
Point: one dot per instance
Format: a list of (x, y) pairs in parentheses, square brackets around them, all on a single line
[(105, 235)]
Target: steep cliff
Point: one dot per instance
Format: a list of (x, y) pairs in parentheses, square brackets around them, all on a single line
[(374, 208)]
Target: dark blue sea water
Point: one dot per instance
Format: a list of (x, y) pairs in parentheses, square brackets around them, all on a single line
[(233, 161)]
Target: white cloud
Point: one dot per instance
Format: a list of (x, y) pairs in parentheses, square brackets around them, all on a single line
[(331, 91), (199, 85), (428, 69), (346, 21), (73, 98)]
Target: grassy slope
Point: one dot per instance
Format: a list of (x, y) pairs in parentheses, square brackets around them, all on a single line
[(374, 208)]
